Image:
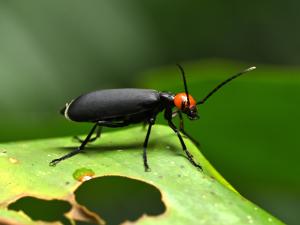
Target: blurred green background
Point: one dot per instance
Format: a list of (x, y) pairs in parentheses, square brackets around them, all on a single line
[(52, 51)]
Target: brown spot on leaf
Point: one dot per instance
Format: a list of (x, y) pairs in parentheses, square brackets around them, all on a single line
[(4, 221), (83, 174)]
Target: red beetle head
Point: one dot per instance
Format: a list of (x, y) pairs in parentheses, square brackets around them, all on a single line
[(187, 105)]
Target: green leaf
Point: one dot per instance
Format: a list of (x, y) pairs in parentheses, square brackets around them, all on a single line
[(189, 195), (12, 217)]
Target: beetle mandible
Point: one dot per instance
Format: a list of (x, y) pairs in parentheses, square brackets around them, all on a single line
[(122, 107)]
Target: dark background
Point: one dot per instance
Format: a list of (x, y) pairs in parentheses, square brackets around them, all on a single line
[(52, 51)]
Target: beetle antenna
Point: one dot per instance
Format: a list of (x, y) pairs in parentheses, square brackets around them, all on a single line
[(225, 82), (184, 82)]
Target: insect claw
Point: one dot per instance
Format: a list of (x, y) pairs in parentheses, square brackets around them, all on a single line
[(199, 167), (54, 162), (147, 170)]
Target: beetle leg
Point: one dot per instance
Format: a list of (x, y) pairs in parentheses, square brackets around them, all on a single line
[(76, 151), (99, 130), (174, 114), (151, 122), (181, 128), (168, 116), (98, 134)]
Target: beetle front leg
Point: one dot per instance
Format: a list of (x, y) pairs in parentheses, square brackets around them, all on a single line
[(181, 128), (168, 117), (189, 155), (76, 151)]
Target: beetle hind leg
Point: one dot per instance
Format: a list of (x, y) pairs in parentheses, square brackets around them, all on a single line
[(75, 151), (98, 134), (56, 161)]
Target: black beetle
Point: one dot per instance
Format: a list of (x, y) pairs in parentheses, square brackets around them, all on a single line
[(122, 107)]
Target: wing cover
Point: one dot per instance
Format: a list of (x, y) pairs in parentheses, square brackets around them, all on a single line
[(112, 104)]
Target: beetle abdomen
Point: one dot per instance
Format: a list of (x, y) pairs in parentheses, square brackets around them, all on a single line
[(111, 104)]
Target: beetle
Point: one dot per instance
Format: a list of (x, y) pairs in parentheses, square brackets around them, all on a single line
[(122, 107)]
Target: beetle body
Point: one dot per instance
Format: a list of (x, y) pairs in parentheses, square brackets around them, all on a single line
[(126, 105), (122, 107)]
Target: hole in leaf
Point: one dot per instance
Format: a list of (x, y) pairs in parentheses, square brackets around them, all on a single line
[(44, 210), (117, 199)]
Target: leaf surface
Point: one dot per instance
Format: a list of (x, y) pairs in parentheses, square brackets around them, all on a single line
[(189, 195)]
